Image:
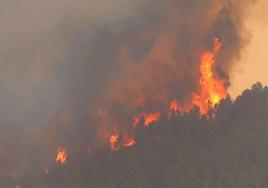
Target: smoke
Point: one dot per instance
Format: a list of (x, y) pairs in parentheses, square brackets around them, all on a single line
[(37, 41), (160, 63), (64, 62)]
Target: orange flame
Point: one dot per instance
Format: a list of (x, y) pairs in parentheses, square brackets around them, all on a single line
[(129, 143), (135, 121), (175, 106), (61, 156), (114, 142), (212, 89), (150, 118)]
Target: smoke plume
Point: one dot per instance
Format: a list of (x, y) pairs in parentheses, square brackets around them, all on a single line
[(73, 73)]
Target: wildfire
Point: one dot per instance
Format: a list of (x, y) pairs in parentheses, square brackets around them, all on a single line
[(175, 106), (114, 142), (61, 156), (136, 121), (212, 89), (128, 143), (150, 118)]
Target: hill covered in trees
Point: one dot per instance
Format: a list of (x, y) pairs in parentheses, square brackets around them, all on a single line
[(227, 149)]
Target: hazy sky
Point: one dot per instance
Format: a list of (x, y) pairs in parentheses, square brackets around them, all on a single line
[(253, 65)]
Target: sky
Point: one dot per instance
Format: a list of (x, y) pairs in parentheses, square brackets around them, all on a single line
[(253, 65)]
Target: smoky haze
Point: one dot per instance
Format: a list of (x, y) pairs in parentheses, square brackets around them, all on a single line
[(61, 60), (37, 39)]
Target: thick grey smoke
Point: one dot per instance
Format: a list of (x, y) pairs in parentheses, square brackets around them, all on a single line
[(59, 57), (37, 42), (157, 59)]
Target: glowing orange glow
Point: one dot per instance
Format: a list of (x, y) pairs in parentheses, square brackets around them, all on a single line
[(150, 118), (61, 156), (135, 121), (175, 106), (129, 142), (114, 142), (212, 89)]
